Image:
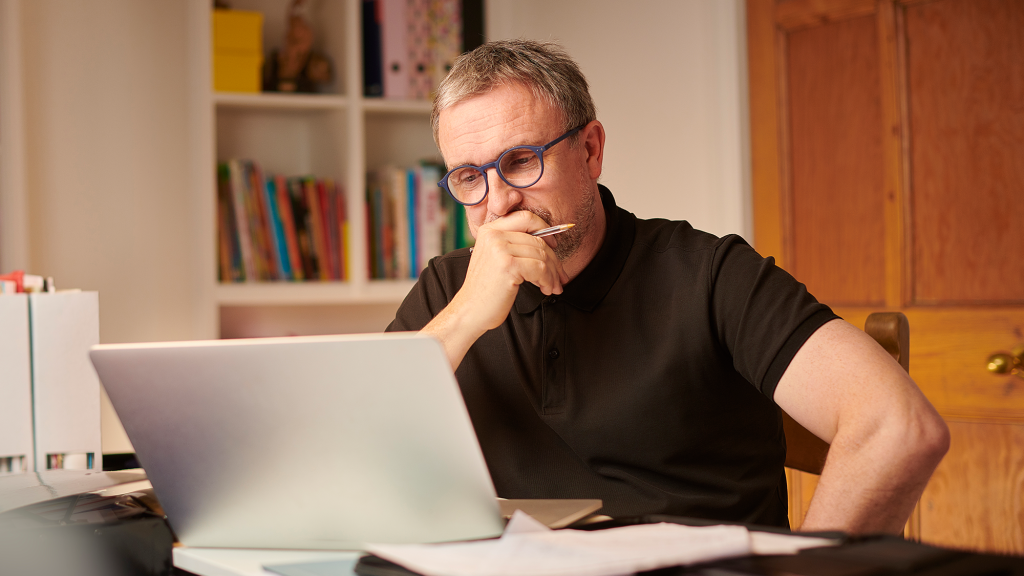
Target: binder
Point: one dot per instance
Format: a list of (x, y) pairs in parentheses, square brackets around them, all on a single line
[(373, 82), (446, 34), (421, 59), (395, 50), (65, 388), (16, 453)]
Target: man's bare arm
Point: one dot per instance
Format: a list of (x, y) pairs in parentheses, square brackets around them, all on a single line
[(504, 257), (886, 438)]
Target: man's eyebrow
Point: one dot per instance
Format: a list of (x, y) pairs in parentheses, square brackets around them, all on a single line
[(466, 163)]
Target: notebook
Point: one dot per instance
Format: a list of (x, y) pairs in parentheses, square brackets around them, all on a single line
[(325, 442)]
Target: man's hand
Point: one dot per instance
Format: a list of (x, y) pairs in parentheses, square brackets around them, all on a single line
[(504, 257), (886, 438)]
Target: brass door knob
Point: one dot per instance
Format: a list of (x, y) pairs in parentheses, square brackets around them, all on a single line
[(1007, 362)]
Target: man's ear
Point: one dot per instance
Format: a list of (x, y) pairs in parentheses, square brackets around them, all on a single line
[(592, 136)]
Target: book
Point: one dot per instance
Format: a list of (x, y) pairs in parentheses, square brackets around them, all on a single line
[(344, 240), (375, 225), (300, 215), (275, 227), (401, 225), (230, 262), (259, 222), (272, 227), (291, 241), (316, 228), (236, 176), (410, 220), (412, 202), (429, 213)]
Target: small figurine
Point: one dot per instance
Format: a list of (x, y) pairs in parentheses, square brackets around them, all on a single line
[(297, 67)]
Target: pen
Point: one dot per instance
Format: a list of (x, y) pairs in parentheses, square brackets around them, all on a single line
[(546, 231), (553, 230)]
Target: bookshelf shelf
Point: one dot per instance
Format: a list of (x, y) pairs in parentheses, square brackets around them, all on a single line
[(280, 101), (313, 293), (383, 106), (339, 135)]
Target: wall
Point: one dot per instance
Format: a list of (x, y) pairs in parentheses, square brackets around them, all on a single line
[(669, 80), (103, 98)]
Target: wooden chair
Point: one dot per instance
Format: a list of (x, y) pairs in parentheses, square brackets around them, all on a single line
[(805, 452)]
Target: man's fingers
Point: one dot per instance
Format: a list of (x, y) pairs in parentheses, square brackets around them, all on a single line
[(519, 221), (540, 273)]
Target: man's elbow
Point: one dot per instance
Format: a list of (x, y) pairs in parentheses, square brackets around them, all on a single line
[(926, 441)]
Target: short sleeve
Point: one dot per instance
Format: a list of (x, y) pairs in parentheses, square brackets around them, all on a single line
[(762, 314)]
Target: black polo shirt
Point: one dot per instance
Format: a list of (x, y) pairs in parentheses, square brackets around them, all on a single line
[(647, 383)]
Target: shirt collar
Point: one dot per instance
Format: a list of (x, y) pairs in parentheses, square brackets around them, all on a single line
[(586, 290)]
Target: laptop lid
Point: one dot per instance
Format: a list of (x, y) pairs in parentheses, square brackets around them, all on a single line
[(323, 442)]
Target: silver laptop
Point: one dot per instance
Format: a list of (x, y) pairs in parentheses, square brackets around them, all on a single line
[(306, 442)]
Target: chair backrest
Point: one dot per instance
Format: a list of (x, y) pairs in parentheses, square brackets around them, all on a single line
[(805, 451)]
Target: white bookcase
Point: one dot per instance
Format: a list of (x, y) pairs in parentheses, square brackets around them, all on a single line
[(339, 135)]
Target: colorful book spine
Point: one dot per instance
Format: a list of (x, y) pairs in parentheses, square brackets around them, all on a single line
[(275, 228), (410, 220), (316, 221), (230, 256), (291, 241), (240, 208), (282, 264), (346, 270), (428, 214), (258, 223), (325, 191), (401, 224), (411, 196)]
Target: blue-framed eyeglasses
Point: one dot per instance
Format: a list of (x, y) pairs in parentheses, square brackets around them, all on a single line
[(519, 167)]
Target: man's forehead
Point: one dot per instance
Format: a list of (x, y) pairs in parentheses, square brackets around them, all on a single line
[(487, 124)]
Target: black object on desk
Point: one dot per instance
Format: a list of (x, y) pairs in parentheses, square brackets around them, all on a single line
[(87, 535)]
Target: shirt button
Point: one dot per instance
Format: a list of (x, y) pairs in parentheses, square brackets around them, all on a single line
[(552, 299), (553, 353)]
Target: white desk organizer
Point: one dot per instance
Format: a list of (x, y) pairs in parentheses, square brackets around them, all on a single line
[(65, 389), (16, 454)]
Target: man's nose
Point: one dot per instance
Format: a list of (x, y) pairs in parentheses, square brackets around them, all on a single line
[(501, 198)]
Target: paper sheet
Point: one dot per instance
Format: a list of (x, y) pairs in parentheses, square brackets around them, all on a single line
[(765, 543), (528, 548)]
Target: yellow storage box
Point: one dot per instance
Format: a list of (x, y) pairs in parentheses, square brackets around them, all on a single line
[(237, 50)]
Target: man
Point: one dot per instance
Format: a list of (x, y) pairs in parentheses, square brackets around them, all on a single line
[(640, 361)]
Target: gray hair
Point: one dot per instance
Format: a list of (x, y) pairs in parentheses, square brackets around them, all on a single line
[(543, 67)]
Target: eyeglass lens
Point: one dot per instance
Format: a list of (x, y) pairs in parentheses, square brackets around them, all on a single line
[(520, 167)]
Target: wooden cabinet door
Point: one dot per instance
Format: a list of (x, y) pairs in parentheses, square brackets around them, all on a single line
[(888, 163)]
